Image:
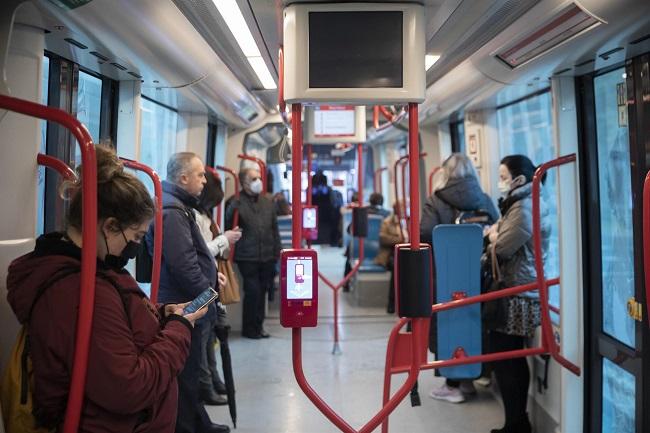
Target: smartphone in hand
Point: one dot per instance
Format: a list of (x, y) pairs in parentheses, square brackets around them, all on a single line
[(207, 297)]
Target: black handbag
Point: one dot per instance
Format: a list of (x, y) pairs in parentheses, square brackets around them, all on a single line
[(494, 314)]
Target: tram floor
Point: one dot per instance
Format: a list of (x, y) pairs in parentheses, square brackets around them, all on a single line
[(269, 399)]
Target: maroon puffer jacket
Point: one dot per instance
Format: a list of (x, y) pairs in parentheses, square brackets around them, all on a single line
[(134, 357)]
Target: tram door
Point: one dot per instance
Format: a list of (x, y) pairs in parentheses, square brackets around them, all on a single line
[(615, 155)]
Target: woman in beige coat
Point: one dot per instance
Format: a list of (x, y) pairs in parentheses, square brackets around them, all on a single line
[(389, 236)]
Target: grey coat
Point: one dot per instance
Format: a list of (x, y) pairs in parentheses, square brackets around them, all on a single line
[(514, 244), (459, 195)]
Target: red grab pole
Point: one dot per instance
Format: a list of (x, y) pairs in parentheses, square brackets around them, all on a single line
[(422, 155), (158, 224), (377, 181), (549, 341), (296, 170), (235, 218), (309, 180), (261, 164), (56, 164), (433, 173), (414, 177), (646, 241), (88, 255)]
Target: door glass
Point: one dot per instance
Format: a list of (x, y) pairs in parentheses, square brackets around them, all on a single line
[(615, 189), (89, 103), (618, 399)]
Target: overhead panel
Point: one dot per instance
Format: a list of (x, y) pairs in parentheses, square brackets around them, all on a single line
[(568, 23)]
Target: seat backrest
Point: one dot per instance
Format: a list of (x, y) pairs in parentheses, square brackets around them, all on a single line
[(371, 242), (284, 227)]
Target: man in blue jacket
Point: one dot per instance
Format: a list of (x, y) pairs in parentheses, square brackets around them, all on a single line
[(188, 269)]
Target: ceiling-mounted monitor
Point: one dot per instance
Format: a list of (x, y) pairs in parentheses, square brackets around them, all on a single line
[(330, 124), (357, 53)]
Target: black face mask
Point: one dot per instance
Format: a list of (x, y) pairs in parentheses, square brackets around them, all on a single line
[(129, 252)]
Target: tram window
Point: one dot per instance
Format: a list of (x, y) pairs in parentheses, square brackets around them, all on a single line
[(89, 103), (526, 127), (40, 197), (157, 137), (346, 50)]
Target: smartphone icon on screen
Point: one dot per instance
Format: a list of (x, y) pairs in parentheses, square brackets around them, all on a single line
[(300, 271)]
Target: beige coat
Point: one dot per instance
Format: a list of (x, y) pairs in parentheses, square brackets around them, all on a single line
[(389, 236)]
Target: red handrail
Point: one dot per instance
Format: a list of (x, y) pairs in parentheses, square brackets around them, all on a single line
[(377, 183), (414, 177), (235, 217), (433, 173), (309, 180), (646, 241), (549, 341), (88, 254), (390, 117), (56, 164), (158, 224), (261, 164), (401, 162)]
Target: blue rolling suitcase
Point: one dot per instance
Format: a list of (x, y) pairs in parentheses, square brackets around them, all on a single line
[(457, 252)]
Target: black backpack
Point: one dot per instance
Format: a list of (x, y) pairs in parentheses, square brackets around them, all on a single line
[(144, 261)]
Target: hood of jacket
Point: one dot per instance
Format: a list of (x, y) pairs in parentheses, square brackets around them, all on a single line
[(463, 194), (28, 273)]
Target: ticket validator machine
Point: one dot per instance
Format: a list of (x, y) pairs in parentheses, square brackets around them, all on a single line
[(310, 223), (298, 288)]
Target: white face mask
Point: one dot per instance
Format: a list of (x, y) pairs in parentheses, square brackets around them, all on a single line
[(256, 186), (504, 186)]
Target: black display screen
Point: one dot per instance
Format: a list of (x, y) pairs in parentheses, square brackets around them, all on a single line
[(355, 49)]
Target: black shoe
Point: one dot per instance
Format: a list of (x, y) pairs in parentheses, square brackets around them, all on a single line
[(251, 336), (219, 387), (264, 334), (390, 309), (521, 426), (211, 398), (216, 428)]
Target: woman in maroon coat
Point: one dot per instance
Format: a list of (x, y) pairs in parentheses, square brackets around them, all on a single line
[(136, 348)]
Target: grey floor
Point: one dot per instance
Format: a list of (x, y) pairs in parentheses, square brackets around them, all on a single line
[(270, 401)]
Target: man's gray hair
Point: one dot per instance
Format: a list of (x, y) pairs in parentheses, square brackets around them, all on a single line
[(179, 164)]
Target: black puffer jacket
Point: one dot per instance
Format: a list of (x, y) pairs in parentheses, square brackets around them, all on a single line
[(260, 240), (459, 195)]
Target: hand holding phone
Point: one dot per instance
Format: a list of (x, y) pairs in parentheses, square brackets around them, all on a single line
[(207, 297)]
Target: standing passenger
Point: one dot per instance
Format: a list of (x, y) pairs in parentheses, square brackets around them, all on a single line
[(258, 249), (136, 349), (512, 241), (456, 190), (187, 270), (211, 385), (390, 235)]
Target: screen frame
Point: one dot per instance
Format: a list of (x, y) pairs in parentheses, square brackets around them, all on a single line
[(359, 135), (296, 56)]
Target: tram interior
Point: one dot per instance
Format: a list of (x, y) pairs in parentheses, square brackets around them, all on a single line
[(156, 77)]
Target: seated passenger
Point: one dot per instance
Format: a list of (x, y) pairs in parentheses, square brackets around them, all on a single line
[(511, 244), (136, 349), (389, 236), (376, 202), (456, 190)]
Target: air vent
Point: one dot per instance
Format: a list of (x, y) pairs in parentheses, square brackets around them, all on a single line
[(562, 71), (586, 62), (75, 43), (99, 56), (133, 74), (118, 66), (568, 23), (606, 54), (641, 39)]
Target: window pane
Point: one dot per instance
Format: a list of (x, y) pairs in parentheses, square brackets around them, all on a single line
[(618, 399), (158, 138), (526, 128), (40, 196), (89, 103), (615, 190)]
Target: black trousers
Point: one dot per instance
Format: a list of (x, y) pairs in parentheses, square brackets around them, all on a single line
[(513, 376), (258, 277), (192, 417)]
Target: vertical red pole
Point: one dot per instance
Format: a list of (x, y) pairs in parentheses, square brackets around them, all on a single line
[(414, 176), (404, 206), (646, 241), (309, 184), (296, 162)]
